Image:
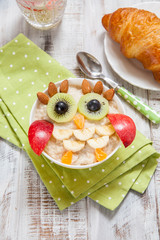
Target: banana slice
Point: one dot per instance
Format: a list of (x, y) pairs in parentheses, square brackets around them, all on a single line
[(61, 134), (84, 134), (98, 142), (105, 130), (73, 146)]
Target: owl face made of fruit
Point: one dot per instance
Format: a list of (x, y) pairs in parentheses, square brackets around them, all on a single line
[(76, 127), (62, 107)]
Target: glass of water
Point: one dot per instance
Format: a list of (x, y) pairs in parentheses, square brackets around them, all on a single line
[(42, 14)]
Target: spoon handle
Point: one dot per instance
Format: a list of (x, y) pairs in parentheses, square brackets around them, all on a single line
[(139, 105)]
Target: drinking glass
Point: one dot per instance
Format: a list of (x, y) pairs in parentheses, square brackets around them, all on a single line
[(42, 14)]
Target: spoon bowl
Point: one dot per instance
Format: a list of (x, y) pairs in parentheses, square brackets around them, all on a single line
[(89, 65)]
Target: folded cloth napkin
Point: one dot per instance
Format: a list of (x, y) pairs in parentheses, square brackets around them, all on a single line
[(24, 70)]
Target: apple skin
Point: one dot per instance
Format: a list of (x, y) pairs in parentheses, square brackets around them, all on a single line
[(124, 127), (39, 134)]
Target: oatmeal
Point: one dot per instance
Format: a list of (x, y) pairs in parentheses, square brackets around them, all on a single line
[(67, 137)]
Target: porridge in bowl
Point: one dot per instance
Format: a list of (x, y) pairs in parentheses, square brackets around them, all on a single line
[(82, 133)]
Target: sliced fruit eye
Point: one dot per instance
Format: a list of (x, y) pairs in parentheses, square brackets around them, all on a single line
[(93, 106), (61, 107)]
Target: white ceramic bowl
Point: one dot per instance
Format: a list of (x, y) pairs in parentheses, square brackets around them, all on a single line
[(78, 81)]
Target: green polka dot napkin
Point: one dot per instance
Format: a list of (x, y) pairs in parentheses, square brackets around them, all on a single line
[(26, 69)]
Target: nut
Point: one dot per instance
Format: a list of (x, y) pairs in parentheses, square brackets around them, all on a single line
[(109, 94), (43, 98), (98, 88), (64, 86), (52, 89), (86, 88)]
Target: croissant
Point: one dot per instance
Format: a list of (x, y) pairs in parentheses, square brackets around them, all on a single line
[(138, 32)]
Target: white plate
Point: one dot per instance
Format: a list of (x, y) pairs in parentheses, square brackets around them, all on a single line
[(78, 82), (131, 70)]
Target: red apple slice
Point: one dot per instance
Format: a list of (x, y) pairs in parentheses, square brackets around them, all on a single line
[(124, 127), (39, 134)]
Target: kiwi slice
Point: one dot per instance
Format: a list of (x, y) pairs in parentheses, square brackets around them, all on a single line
[(93, 106), (61, 107)]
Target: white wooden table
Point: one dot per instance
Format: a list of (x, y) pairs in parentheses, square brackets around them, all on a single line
[(26, 209)]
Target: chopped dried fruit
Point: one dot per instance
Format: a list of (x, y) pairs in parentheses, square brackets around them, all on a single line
[(100, 155), (79, 121), (67, 158), (98, 88), (86, 87), (43, 98), (64, 86), (52, 89), (109, 94)]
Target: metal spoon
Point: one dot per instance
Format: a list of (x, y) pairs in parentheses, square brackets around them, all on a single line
[(91, 67)]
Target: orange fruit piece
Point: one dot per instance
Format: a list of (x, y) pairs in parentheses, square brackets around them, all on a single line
[(100, 155), (79, 121), (67, 158)]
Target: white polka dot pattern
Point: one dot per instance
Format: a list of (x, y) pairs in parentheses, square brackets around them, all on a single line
[(34, 82), (139, 105)]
